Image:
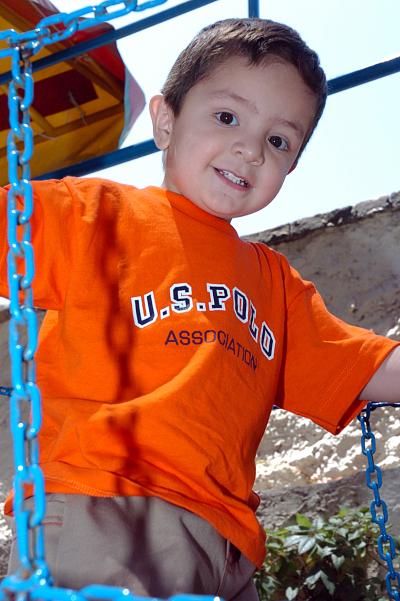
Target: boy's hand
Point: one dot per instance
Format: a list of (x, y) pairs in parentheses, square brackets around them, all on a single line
[(385, 383)]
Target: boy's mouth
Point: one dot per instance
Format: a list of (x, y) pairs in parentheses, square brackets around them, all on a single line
[(235, 179)]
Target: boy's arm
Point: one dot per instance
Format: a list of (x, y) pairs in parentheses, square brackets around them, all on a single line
[(385, 383)]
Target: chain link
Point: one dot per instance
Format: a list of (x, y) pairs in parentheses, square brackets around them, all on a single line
[(379, 511), (61, 26), (25, 411)]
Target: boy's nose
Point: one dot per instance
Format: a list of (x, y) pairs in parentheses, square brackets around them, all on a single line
[(251, 151)]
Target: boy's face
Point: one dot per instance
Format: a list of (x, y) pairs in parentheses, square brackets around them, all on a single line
[(237, 136)]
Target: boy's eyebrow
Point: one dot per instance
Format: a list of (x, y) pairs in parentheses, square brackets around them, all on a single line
[(293, 124), (297, 127), (237, 97)]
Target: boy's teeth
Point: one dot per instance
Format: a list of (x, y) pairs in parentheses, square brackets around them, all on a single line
[(233, 178)]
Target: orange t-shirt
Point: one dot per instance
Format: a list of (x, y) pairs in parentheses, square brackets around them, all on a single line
[(167, 341)]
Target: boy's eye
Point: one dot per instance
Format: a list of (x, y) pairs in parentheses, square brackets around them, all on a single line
[(227, 118), (278, 142)]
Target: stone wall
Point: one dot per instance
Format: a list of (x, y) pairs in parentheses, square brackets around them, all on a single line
[(353, 256)]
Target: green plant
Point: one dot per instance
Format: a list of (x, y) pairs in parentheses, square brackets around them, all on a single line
[(333, 559)]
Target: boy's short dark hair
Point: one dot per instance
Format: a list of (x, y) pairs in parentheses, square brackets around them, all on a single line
[(255, 39)]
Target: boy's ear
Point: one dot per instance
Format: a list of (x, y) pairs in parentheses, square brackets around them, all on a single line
[(162, 118), (293, 167)]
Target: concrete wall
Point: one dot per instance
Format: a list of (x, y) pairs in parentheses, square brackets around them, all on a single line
[(353, 256)]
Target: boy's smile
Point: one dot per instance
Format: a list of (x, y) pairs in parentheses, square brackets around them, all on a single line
[(236, 137)]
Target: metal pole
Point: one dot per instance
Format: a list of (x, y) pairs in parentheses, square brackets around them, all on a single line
[(254, 8), (116, 157), (356, 78)]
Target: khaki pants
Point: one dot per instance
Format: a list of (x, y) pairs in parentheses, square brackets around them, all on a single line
[(143, 543)]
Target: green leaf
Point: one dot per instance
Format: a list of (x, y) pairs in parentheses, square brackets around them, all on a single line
[(269, 586), (325, 551), (294, 540), (311, 581), (291, 593), (306, 545), (337, 560), (330, 560), (334, 521), (329, 585), (303, 521), (318, 523), (273, 545)]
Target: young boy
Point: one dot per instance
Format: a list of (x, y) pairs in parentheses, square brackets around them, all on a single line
[(168, 339)]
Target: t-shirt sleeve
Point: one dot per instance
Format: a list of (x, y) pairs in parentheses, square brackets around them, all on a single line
[(53, 234), (326, 361)]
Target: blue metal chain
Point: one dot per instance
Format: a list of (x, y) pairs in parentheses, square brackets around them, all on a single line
[(33, 578), (379, 511), (62, 25), (25, 410)]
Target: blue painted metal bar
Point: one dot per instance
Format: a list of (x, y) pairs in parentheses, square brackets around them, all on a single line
[(338, 84), (356, 78), (112, 36), (104, 161), (254, 8)]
